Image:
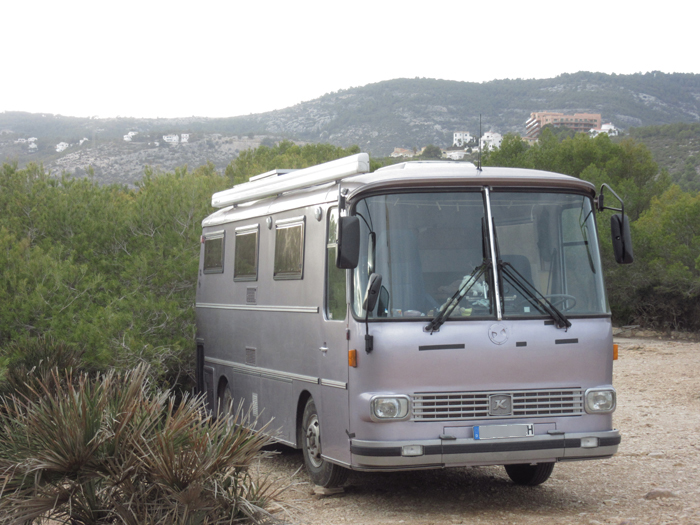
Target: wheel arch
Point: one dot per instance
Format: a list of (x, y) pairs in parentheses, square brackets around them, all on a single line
[(304, 397), (220, 387)]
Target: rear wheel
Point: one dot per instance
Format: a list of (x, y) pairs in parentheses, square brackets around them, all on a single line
[(322, 472), (530, 474)]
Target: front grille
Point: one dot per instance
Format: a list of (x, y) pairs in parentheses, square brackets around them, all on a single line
[(450, 406)]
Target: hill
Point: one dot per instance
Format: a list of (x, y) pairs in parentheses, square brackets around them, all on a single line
[(675, 147), (378, 117), (408, 113)]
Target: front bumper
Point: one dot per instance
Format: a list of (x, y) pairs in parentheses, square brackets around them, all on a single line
[(438, 453)]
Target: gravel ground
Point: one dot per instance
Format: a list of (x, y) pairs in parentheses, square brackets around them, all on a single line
[(654, 478)]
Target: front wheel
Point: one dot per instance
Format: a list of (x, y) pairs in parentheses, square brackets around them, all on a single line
[(322, 472), (530, 474)]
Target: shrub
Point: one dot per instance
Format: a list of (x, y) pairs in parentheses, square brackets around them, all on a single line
[(30, 360), (104, 450)]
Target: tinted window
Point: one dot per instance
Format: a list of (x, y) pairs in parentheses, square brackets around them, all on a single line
[(214, 253), (289, 250), (245, 260), (335, 277)]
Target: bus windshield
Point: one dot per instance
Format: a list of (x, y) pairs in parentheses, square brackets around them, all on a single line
[(433, 253)]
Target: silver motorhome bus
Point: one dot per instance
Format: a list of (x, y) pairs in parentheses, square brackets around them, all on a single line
[(425, 315)]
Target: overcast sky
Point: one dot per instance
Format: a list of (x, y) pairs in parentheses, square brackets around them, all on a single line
[(226, 58)]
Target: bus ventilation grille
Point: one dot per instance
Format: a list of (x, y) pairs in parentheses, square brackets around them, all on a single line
[(450, 406)]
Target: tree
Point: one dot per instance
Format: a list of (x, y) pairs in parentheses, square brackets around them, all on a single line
[(431, 152), (286, 154)]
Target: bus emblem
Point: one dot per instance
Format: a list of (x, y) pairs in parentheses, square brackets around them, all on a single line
[(500, 405), (498, 333)]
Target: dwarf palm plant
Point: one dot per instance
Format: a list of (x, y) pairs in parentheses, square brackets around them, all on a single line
[(106, 450)]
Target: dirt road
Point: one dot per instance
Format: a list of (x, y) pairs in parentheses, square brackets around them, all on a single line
[(654, 479)]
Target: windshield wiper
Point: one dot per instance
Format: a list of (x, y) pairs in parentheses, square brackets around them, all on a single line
[(531, 293), (467, 284)]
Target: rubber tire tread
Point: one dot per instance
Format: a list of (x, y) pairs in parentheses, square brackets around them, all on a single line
[(328, 475), (530, 475)]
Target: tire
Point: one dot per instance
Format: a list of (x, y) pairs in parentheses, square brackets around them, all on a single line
[(322, 472), (530, 475)]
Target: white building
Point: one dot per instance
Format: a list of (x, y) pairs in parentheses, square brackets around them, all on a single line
[(461, 138), (62, 146), (455, 154), (402, 152), (608, 128), (130, 135), (171, 139), (185, 137), (491, 140)]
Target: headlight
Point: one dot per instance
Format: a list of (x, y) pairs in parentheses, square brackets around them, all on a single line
[(389, 407), (600, 400)]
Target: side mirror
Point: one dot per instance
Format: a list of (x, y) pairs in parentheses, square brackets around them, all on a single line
[(374, 285), (621, 239), (348, 253)]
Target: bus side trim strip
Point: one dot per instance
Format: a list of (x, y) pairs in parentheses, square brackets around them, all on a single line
[(261, 308), (274, 374)]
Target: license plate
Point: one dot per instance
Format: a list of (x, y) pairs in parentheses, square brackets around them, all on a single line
[(503, 431)]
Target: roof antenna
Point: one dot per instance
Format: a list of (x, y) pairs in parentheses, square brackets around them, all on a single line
[(478, 162)]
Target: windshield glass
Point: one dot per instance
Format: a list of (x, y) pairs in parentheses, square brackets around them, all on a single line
[(424, 246), (427, 245), (549, 239)]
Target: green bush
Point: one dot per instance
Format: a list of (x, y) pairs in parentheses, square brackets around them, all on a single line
[(102, 449), (25, 362)]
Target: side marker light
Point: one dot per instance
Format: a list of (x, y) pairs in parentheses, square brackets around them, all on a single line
[(352, 358)]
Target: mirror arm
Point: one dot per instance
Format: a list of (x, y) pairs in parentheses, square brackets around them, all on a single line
[(600, 201), (369, 339), (342, 194)]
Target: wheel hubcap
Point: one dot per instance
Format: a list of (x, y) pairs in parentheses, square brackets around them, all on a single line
[(313, 442)]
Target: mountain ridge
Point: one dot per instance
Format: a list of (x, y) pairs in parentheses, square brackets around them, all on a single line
[(407, 113)]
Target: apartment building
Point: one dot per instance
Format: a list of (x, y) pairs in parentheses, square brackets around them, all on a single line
[(576, 122)]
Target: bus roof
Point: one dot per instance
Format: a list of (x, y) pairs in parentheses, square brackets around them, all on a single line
[(287, 189)]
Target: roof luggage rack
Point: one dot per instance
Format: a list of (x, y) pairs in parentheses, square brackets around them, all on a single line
[(279, 181)]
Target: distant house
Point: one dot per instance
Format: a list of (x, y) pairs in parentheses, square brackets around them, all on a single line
[(84, 139), (491, 140), (455, 154), (62, 146), (130, 135), (402, 152), (33, 147), (21, 141), (461, 138), (32, 139), (171, 139), (608, 129), (185, 137)]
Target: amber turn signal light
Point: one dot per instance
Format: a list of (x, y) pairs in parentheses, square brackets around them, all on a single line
[(615, 352), (352, 358)]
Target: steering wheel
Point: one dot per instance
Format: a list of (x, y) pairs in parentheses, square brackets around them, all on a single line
[(559, 299)]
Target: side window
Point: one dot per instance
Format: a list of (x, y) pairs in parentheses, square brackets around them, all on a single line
[(289, 249), (245, 259), (213, 252), (336, 308)]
